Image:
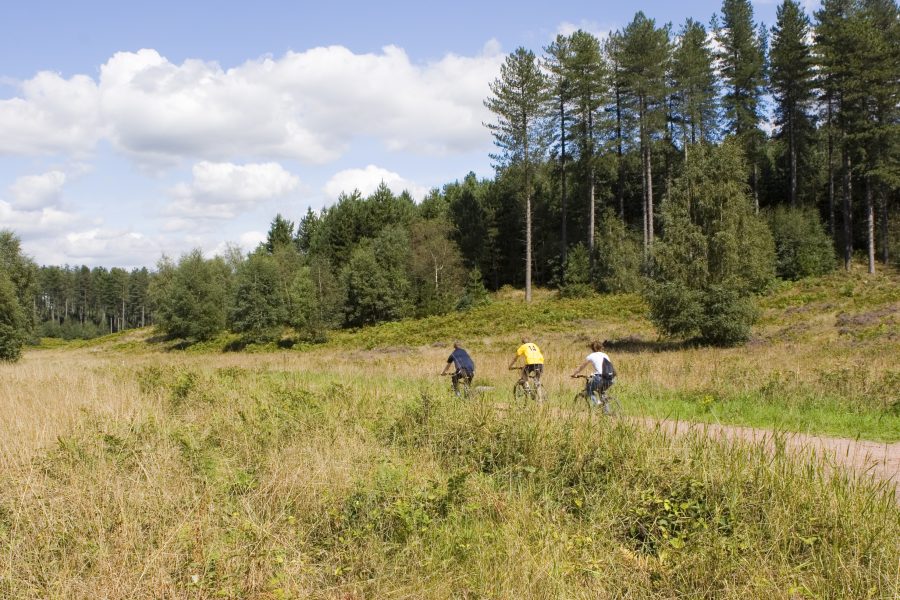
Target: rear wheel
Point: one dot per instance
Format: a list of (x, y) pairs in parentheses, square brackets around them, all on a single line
[(581, 401), (610, 406)]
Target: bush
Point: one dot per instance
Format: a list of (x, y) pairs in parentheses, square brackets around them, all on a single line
[(675, 309), (802, 247), (577, 274), (727, 316), (12, 322), (619, 256), (475, 294)]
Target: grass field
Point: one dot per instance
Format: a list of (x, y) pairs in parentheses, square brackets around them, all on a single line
[(347, 470)]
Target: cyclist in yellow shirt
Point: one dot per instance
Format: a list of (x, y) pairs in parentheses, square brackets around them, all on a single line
[(534, 360)]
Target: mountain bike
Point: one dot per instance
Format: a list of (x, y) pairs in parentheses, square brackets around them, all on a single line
[(590, 397), (530, 389), (463, 388)]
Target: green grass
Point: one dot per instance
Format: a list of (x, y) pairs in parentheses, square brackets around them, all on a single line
[(253, 482)]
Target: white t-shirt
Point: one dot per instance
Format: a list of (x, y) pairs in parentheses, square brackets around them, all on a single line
[(596, 359)]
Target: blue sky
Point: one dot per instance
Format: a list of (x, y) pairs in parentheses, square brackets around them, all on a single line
[(131, 131)]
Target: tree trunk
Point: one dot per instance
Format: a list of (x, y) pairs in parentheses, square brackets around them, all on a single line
[(649, 196), (870, 223), (831, 228), (884, 227), (527, 225), (591, 192), (848, 210), (793, 163), (562, 159), (620, 187)]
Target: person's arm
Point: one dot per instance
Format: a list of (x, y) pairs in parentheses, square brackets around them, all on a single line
[(579, 369), (514, 361), (447, 366)]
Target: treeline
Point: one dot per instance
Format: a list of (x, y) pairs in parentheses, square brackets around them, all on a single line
[(642, 162), (594, 129)]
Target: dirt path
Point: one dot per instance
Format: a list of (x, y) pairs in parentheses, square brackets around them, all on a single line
[(879, 460)]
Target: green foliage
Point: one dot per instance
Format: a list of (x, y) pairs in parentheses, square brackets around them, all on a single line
[(577, 274), (259, 307), (22, 273), (436, 267), (317, 300), (475, 293), (280, 235), (694, 83), (377, 279), (802, 247), (727, 315), (191, 299), (12, 322), (714, 252), (619, 257)]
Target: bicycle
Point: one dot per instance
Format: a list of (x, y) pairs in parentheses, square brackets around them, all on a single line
[(530, 389), (592, 398), (463, 387)]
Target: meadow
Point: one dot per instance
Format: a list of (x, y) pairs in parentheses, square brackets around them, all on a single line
[(129, 469)]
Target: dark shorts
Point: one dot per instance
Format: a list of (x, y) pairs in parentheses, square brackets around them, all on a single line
[(536, 369), (600, 383)]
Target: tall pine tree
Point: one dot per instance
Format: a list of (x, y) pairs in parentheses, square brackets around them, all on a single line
[(518, 99), (791, 80)]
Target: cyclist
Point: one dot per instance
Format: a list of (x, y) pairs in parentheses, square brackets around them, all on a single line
[(604, 373), (534, 360), (465, 366)]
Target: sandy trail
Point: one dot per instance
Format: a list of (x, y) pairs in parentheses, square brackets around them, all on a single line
[(880, 460)]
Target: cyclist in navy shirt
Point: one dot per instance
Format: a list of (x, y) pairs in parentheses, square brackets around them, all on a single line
[(465, 368)]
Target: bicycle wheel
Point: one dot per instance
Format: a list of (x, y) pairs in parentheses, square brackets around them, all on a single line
[(581, 401), (537, 391), (520, 392), (610, 406), (464, 389)]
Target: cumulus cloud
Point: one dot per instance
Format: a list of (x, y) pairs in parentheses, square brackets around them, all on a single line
[(308, 106), (34, 192), (52, 115), (36, 224), (224, 190), (367, 181)]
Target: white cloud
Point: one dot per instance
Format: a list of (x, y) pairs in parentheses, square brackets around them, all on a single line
[(599, 31), (34, 192), (307, 105), (52, 115), (224, 190), (367, 181), (36, 224)]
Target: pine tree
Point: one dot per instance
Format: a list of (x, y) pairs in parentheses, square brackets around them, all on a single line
[(742, 63), (281, 233), (559, 97), (645, 58), (613, 51), (518, 100), (588, 73), (694, 85), (791, 80), (12, 321)]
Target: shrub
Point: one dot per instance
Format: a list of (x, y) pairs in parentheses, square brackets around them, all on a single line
[(12, 322), (802, 247), (577, 274), (618, 256), (727, 316)]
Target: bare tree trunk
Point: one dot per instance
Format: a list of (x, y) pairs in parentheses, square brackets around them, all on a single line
[(527, 225), (848, 210), (562, 129), (793, 165), (870, 223), (884, 227), (143, 324), (831, 228), (620, 187), (649, 196), (591, 199)]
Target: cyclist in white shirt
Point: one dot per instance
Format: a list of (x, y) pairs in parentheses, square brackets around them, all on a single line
[(604, 373)]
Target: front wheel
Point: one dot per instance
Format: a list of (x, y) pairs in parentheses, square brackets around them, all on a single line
[(582, 401), (611, 406), (520, 392)]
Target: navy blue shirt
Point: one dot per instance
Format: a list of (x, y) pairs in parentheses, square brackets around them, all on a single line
[(462, 360)]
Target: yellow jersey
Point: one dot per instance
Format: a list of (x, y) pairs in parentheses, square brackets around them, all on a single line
[(531, 353)]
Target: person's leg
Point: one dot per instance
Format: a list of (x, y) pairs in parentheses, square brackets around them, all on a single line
[(455, 380)]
